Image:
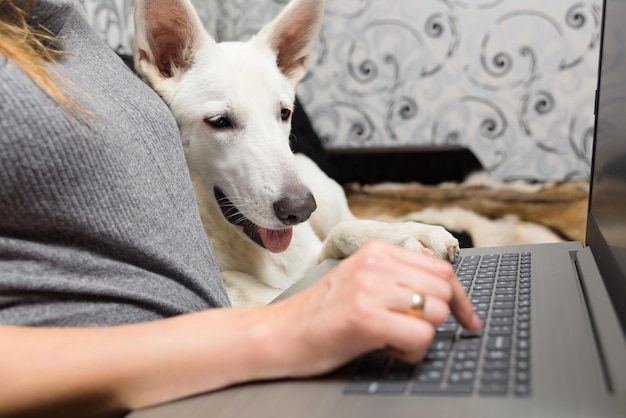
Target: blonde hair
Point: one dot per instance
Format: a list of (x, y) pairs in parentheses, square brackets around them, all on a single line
[(30, 47)]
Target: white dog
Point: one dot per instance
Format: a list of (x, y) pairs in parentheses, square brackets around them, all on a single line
[(233, 103)]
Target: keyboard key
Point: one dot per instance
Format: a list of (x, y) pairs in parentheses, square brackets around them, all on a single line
[(493, 388), (511, 278), (466, 376), (447, 328), (483, 286), (494, 376), (486, 292), (497, 355), (436, 355), (441, 345), (503, 305), (499, 330), (490, 365), (522, 377), (466, 355), (501, 320), (430, 376), (470, 343), (502, 313), (522, 389), (397, 376), (432, 365), (499, 343), (442, 389), (463, 365), (506, 291), (486, 275)]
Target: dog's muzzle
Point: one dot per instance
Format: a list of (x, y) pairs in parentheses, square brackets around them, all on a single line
[(290, 211)]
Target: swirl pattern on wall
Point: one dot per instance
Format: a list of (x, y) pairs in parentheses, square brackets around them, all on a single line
[(513, 80)]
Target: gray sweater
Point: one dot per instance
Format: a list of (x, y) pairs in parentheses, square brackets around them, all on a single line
[(98, 221)]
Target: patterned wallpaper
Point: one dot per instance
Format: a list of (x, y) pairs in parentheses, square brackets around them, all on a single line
[(512, 80)]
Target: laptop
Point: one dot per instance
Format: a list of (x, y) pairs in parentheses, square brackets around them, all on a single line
[(553, 344)]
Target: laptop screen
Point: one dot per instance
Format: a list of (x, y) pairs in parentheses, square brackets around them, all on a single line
[(606, 226)]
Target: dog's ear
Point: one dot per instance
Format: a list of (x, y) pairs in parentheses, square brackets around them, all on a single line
[(167, 34), (291, 36)]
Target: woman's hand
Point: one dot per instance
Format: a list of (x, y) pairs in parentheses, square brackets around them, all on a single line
[(364, 304)]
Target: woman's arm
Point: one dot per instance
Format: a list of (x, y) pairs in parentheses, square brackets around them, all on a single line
[(359, 306), (87, 371)]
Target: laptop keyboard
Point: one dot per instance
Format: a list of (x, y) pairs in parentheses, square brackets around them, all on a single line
[(495, 361)]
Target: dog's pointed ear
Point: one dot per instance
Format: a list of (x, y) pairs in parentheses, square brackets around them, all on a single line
[(167, 34), (292, 34)]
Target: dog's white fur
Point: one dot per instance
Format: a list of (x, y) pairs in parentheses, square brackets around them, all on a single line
[(232, 102)]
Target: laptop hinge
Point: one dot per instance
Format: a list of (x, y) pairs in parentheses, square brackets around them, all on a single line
[(604, 324)]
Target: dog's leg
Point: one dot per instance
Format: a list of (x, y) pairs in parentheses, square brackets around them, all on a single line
[(343, 233)]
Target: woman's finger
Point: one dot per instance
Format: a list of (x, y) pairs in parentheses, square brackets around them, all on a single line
[(460, 305), (405, 337)]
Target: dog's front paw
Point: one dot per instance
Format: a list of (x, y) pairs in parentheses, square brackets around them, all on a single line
[(433, 239), (348, 236)]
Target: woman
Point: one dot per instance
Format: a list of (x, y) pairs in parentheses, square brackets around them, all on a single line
[(108, 286)]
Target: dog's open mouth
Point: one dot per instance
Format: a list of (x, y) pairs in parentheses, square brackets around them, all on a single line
[(274, 240)]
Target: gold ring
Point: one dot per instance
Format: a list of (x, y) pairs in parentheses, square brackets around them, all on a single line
[(417, 305)]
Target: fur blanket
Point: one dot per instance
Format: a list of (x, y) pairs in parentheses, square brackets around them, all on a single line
[(490, 212)]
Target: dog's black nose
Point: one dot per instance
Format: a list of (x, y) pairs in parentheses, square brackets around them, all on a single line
[(292, 210)]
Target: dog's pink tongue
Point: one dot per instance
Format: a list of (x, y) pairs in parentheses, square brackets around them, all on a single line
[(274, 240)]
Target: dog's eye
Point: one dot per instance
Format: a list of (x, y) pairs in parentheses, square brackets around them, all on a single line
[(219, 122), (285, 114)]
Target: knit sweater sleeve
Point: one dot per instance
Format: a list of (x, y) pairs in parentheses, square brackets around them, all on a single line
[(98, 221)]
